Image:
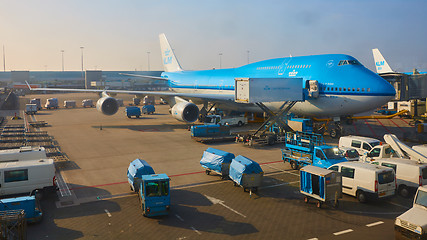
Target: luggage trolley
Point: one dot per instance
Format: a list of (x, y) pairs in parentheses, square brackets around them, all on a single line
[(321, 184)]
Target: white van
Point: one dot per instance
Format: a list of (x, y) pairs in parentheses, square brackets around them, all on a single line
[(361, 144), (410, 174), (22, 153), (366, 181), (21, 177)]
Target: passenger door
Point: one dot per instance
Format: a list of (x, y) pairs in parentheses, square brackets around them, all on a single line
[(348, 185)]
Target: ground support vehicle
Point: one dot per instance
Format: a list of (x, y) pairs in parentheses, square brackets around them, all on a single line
[(413, 223), (30, 205), (246, 173), (211, 133), (350, 153), (37, 102), (133, 112), (301, 124), (320, 184), (218, 161), (366, 181), (153, 189), (87, 103), (69, 104), (148, 100), (31, 109), (136, 101), (361, 144), (148, 109), (304, 149), (51, 103), (410, 174), (232, 121)]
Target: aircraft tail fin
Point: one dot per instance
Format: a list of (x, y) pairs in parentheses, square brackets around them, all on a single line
[(170, 62), (380, 63)]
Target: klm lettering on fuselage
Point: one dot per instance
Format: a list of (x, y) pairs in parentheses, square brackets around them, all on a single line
[(167, 59)]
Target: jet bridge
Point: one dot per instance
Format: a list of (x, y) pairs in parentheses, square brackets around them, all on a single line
[(265, 90)]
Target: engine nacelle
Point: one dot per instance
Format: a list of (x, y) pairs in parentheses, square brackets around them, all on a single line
[(107, 105), (185, 111)]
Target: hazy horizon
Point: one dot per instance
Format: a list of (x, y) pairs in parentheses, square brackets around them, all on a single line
[(116, 35)]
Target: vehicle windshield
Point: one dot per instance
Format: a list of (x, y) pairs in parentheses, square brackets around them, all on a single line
[(421, 198), (157, 189), (333, 153), (373, 144), (352, 153), (386, 177)]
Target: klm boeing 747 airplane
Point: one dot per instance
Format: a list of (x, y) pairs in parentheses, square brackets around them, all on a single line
[(338, 84)]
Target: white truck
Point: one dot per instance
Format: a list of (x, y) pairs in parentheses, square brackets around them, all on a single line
[(31, 109), (217, 119), (413, 223)]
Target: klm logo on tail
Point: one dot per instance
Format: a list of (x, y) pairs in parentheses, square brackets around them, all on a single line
[(167, 59), (379, 64)]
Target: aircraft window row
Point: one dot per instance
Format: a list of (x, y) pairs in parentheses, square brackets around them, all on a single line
[(267, 68), (299, 66), (349, 62), (345, 89)]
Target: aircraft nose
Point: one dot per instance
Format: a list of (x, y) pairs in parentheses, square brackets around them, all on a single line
[(386, 88)]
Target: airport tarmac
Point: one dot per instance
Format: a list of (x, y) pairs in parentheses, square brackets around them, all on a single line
[(99, 204)]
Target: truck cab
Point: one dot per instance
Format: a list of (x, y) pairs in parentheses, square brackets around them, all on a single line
[(378, 152), (154, 195), (413, 223), (326, 156)]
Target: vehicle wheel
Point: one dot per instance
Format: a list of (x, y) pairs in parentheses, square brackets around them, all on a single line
[(361, 196), (294, 165), (333, 133), (128, 116), (235, 184), (245, 189), (306, 199), (336, 204), (137, 116), (240, 123), (319, 204), (403, 191), (208, 172)]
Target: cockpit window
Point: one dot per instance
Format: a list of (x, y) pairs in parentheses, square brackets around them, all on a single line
[(349, 62)]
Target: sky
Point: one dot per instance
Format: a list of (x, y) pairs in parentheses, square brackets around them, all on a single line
[(116, 35)]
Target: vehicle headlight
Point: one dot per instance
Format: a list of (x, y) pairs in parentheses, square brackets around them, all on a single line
[(419, 230), (397, 222)]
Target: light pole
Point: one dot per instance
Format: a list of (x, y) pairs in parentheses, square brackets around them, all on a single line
[(148, 58), (248, 55), (62, 52), (220, 60), (83, 77)]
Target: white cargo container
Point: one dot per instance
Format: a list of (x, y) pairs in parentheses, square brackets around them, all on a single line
[(31, 109), (69, 103), (87, 103), (51, 103), (21, 177)]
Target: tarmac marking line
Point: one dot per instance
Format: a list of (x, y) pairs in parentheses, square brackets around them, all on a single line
[(383, 125), (403, 130), (374, 224), (180, 218), (370, 128), (280, 184), (355, 129), (107, 212), (292, 173), (343, 232), (313, 239), (196, 230), (399, 205)]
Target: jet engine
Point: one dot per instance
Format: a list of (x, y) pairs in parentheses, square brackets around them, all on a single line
[(107, 105), (185, 111)]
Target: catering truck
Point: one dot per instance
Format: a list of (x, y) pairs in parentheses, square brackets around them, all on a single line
[(304, 149), (413, 223), (153, 189), (231, 121)]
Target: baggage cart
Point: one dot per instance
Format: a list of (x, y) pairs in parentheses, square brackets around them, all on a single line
[(321, 184), (246, 173), (217, 161)]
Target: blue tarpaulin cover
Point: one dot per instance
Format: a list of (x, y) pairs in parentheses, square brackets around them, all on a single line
[(137, 168), (242, 165), (214, 158)]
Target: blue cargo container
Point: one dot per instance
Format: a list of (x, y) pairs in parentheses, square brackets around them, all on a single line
[(217, 161), (138, 168), (246, 173), (133, 111), (29, 204), (209, 130), (148, 109)]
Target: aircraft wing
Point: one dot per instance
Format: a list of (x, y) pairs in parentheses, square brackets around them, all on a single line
[(200, 96), (144, 76)]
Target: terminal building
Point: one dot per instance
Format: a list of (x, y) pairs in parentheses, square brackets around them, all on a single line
[(87, 79)]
